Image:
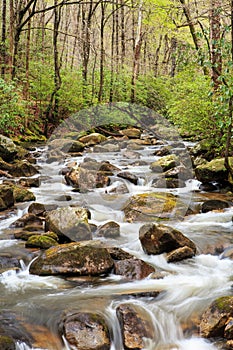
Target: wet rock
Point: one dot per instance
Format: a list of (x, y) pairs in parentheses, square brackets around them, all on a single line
[(24, 234), (133, 269), (30, 182), (179, 172), (216, 321), (180, 254), (27, 219), (108, 230), (84, 179), (133, 146), (85, 331), (7, 343), (66, 145), (168, 183), (228, 331), (131, 154), (164, 151), (119, 188), (23, 169), (214, 204), (227, 253), (213, 171), (158, 239), (39, 209), (21, 194), (6, 197), (93, 139), (128, 176), (119, 254), (164, 163), (43, 241), (151, 206), (8, 150), (135, 326), (69, 222), (8, 262), (110, 147), (131, 133), (73, 259)]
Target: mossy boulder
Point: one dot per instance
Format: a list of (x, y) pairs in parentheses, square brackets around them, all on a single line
[(23, 168), (216, 320), (165, 163), (213, 171), (85, 330), (110, 229), (79, 258), (6, 197), (159, 239), (92, 139), (152, 206), (7, 343), (44, 241), (8, 149), (131, 133), (21, 194), (66, 145), (69, 222)]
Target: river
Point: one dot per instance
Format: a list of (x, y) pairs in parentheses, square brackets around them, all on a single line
[(187, 288)]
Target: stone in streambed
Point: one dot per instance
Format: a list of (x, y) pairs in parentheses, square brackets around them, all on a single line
[(69, 222), (28, 219), (108, 230), (216, 321), (133, 269), (92, 139), (128, 176), (164, 163), (76, 258), (159, 239), (6, 197), (213, 171), (135, 326), (43, 241), (85, 330), (8, 149), (23, 169), (214, 204)]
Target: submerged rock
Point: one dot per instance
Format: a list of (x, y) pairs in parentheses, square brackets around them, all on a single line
[(73, 259), (135, 326), (85, 331), (159, 239)]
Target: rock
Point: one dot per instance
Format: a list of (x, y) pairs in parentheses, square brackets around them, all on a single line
[(151, 206), (108, 230), (133, 269), (213, 171), (93, 139), (168, 183), (21, 194), (164, 163), (217, 319), (39, 209), (159, 239), (110, 147), (85, 331), (85, 179), (66, 145), (214, 204), (128, 176), (24, 234), (69, 222), (179, 172), (227, 253), (8, 262), (131, 154), (180, 254), (23, 169), (44, 241), (30, 182), (135, 326), (7, 343), (6, 197), (27, 219), (164, 151), (132, 133), (119, 254), (8, 150), (228, 331), (77, 258)]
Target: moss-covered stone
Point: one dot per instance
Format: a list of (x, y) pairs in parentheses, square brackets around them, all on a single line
[(213, 171), (41, 241), (7, 343), (22, 194), (164, 163)]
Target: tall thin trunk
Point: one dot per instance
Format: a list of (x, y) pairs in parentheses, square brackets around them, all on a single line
[(122, 33), (26, 90), (215, 36), (101, 86), (137, 51), (3, 45), (112, 53), (157, 52)]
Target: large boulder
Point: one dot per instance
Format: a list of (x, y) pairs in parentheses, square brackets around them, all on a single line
[(66, 145), (151, 206), (6, 197), (159, 239), (132, 133), (23, 168), (135, 326), (69, 223), (93, 139), (213, 171), (85, 331), (110, 229), (165, 163), (76, 258), (216, 321), (8, 150)]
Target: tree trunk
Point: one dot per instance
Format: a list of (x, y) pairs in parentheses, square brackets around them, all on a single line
[(215, 36), (101, 86), (3, 44)]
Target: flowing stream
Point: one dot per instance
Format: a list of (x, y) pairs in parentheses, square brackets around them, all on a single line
[(187, 288)]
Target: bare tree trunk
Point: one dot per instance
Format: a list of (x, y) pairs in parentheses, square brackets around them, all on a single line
[(112, 53), (3, 44), (137, 51), (156, 64), (102, 22), (173, 56), (122, 34), (215, 36)]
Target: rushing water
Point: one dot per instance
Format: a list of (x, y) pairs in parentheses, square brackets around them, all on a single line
[(187, 288)]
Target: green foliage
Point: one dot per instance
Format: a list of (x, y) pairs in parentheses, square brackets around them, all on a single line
[(12, 107), (189, 105)]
